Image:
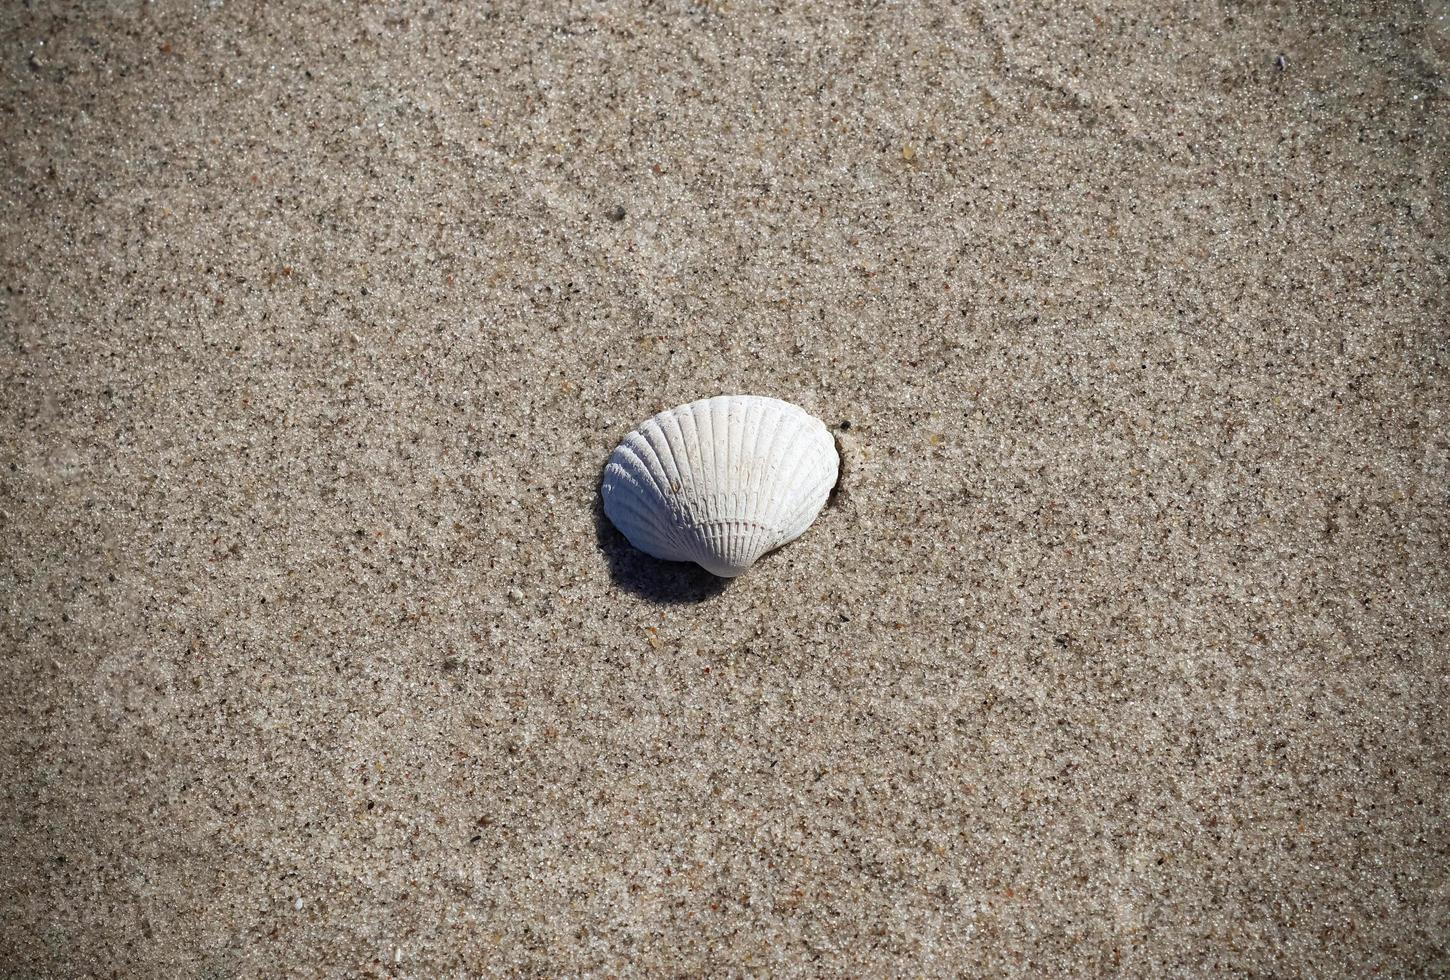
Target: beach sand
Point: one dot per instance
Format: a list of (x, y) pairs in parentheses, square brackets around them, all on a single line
[(1122, 648)]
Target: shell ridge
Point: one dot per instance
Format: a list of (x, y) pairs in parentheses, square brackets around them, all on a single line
[(764, 451), (730, 470), (659, 443), (795, 463), (696, 509), (812, 499), (805, 514), (737, 423), (688, 443), (791, 461), (643, 492), (744, 467), (660, 521), (782, 471), (654, 472), (767, 472), (785, 469), (736, 458), (747, 458), (712, 480), (718, 461), (661, 545), (702, 476), (636, 441), (828, 467), (655, 519)]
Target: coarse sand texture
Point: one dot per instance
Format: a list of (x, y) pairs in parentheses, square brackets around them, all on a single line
[(1119, 649)]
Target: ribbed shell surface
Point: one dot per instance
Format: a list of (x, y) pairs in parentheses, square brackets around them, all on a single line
[(721, 481)]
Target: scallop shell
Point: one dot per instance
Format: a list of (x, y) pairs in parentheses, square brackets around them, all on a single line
[(721, 481)]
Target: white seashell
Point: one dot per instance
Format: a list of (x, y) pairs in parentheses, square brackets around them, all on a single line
[(721, 481)]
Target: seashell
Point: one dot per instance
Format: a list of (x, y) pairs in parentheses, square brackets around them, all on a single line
[(720, 481)]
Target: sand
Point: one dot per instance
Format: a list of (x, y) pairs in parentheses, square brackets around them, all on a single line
[(1123, 649)]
